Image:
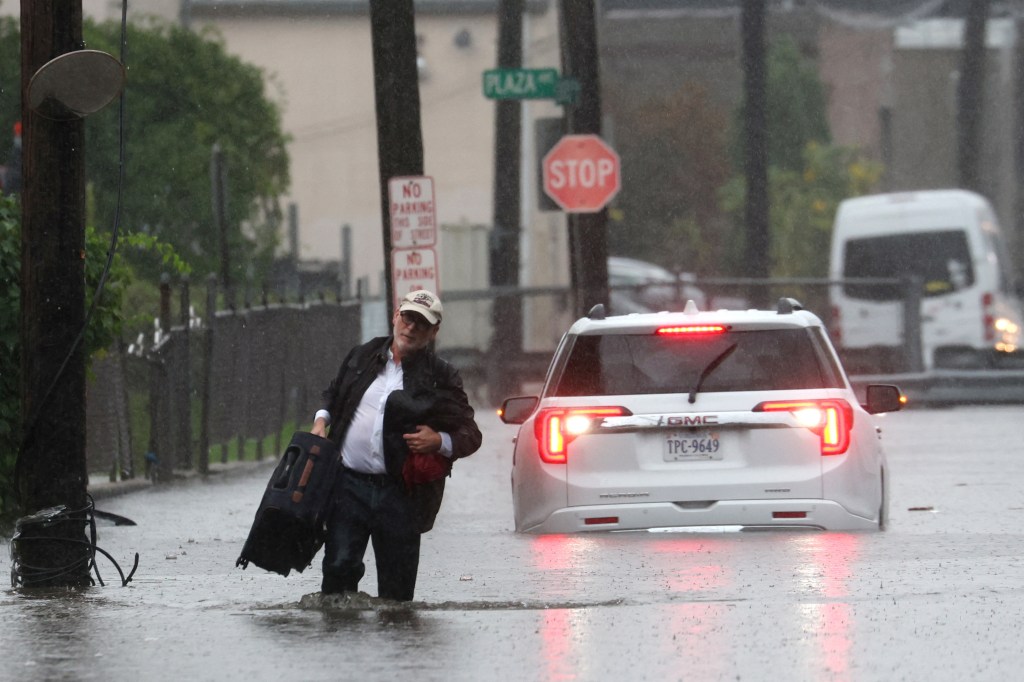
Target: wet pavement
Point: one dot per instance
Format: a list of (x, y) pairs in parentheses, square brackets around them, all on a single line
[(939, 596)]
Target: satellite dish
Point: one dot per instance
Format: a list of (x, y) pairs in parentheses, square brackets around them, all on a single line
[(75, 84)]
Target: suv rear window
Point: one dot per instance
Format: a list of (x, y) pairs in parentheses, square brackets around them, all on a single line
[(941, 259), (630, 364)]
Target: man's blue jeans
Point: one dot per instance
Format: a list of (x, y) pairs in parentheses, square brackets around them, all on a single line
[(373, 508)]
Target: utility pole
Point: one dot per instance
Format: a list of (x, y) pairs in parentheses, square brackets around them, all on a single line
[(506, 313), (588, 235), (970, 105), (219, 193), (52, 470), (397, 96), (755, 165)]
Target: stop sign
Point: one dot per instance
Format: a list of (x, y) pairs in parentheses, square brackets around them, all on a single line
[(581, 173)]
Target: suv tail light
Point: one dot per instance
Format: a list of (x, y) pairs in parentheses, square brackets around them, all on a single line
[(556, 428), (830, 419)]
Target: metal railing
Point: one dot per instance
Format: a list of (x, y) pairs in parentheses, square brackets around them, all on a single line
[(237, 378)]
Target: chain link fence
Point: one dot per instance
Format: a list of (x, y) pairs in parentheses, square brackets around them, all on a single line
[(213, 390)]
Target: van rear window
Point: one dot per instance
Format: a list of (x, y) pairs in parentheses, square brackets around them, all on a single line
[(941, 259), (617, 364)]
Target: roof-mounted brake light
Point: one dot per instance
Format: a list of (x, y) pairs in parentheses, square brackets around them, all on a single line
[(690, 330)]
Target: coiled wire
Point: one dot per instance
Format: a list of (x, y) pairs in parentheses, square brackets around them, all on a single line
[(40, 527)]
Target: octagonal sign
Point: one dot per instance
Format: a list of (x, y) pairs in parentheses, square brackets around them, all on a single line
[(581, 173)]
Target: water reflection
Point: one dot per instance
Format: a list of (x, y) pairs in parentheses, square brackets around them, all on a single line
[(690, 571), (557, 640), (559, 552), (645, 566), (707, 589), (827, 569), (61, 622)]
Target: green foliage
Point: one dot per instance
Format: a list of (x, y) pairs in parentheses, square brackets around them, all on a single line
[(117, 310), (10, 85), (105, 325), (802, 205), (184, 93), (10, 296)]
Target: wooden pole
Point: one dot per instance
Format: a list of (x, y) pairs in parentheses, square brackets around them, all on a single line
[(970, 106), (755, 122), (397, 96), (52, 469), (506, 315), (588, 232)]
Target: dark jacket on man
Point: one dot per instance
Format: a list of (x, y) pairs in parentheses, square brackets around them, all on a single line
[(432, 394)]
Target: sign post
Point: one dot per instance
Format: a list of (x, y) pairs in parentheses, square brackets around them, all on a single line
[(413, 215), (581, 173)]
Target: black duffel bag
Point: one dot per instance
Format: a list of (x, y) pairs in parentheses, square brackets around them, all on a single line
[(289, 527)]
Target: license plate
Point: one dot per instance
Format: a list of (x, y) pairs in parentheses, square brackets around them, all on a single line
[(689, 446)]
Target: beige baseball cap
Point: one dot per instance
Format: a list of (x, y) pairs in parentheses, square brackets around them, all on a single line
[(424, 302)]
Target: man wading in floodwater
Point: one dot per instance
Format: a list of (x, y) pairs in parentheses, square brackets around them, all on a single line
[(401, 417)]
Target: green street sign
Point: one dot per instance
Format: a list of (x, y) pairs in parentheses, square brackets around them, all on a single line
[(521, 84)]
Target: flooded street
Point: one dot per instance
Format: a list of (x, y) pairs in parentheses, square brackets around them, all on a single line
[(939, 596)]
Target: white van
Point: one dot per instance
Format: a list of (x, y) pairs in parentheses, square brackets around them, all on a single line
[(950, 239)]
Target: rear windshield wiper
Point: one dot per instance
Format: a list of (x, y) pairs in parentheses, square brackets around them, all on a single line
[(708, 369)]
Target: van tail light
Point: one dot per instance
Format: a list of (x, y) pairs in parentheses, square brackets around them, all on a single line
[(988, 320), (555, 428), (830, 419)]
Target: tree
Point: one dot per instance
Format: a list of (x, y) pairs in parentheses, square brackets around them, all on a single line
[(104, 328), (10, 348), (10, 84), (184, 93), (803, 204)]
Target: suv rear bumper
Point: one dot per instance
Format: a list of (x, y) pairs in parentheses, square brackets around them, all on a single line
[(819, 514)]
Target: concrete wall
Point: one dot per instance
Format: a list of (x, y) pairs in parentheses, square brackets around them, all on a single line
[(855, 66)]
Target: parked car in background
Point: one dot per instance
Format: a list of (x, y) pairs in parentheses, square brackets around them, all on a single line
[(724, 418), (639, 286)]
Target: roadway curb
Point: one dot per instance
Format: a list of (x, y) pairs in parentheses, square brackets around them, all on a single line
[(100, 488)]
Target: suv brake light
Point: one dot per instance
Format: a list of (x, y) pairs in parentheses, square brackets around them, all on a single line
[(690, 329), (555, 428), (830, 419)]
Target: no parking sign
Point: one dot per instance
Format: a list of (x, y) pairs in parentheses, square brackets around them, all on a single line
[(413, 269)]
